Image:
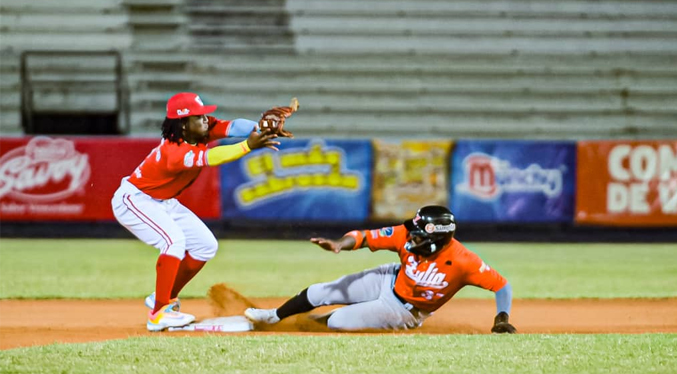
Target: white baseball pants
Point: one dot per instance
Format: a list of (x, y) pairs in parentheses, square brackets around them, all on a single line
[(164, 224)]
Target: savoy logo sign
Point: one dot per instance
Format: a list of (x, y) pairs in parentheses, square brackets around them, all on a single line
[(44, 170)]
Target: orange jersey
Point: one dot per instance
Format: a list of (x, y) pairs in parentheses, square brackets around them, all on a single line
[(170, 167), (429, 282)]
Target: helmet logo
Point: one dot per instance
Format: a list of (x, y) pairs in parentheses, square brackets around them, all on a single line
[(431, 228)]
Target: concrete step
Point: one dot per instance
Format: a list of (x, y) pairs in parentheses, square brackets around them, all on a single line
[(414, 44), (462, 125), (62, 41), (460, 25), (482, 103), (71, 23), (70, 7), (664, 60), (442, 8)]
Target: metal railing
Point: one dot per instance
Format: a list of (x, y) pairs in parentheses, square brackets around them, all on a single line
[(62, 82)]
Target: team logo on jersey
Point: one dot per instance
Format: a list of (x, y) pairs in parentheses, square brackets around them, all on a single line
[(488, 177), (484, 267), (431, 277), (386, 232), (44, 170), (189, 159)]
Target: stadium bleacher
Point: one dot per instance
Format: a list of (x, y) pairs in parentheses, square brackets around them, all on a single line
[(377, 68)]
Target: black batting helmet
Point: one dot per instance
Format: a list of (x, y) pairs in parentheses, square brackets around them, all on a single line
[(432, 228)]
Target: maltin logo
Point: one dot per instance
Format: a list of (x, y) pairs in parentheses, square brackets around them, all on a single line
[(44, 170), (488, 177)]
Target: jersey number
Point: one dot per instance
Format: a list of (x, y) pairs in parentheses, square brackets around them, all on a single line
[(429, 295)]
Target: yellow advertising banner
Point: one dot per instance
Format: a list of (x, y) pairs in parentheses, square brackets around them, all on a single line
[(409, 175), (627, 183)]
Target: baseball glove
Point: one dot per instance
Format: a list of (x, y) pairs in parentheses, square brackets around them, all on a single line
[(274, 118), (501, 325)]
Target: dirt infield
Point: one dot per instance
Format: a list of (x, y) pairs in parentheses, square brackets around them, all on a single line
[(39, 322)]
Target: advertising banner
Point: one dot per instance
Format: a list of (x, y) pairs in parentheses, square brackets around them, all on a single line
[(513, 181), (306, 180), (409, 175), (73, 179), (627, 183)]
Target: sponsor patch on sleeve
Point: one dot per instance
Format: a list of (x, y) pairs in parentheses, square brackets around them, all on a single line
[(386, 232)]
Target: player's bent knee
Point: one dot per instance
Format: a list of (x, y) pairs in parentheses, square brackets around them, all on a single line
[(207, 251), (341, 321), (177, 248), (334, 323), (316, 295)]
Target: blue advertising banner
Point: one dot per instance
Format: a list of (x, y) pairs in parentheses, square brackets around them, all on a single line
[(513, 181), (306, 180)]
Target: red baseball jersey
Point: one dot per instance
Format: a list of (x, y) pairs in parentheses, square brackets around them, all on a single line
[(429, 282), (170, 168)]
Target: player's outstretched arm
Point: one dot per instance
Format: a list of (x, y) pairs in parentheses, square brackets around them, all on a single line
[(226, 153), (503, 306), (236, 128), (349, 241), (241, 127)]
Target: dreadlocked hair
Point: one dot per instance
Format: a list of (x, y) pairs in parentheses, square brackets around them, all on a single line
[(172, 129)]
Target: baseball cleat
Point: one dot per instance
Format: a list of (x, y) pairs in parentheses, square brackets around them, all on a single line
[(150, 302), (268, 316), (167, 317)]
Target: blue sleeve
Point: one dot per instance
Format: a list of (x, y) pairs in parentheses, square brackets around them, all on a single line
[(240, 128), (504, 299)]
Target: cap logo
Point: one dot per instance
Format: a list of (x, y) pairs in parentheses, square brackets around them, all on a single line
[(199, 101), (182, 112)]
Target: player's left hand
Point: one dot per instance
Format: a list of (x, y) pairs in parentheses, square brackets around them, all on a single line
[(274, 118), (502, 326), (327, 244), (262, 139)]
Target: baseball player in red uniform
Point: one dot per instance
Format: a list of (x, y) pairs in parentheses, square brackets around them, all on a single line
[(433, 267), (146, 204)]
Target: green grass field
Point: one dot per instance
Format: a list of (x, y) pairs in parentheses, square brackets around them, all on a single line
[(356, 354), (125, 269)]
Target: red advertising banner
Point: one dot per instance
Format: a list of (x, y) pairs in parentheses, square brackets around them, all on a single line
[(73, 179), (627, 183)]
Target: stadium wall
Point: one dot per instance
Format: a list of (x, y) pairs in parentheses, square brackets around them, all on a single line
[(531, 190)]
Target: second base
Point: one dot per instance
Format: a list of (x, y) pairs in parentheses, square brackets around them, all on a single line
[(220, 324)]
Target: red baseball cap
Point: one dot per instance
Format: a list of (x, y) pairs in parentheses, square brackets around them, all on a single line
[(186, 104)]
